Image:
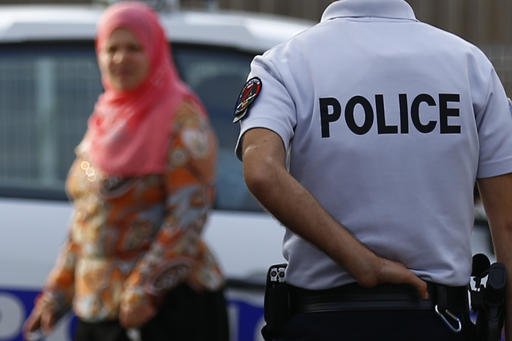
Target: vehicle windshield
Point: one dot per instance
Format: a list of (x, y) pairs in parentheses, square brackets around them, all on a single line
[(48, 91)]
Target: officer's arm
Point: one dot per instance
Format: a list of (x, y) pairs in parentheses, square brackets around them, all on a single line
[(267, 178), (496, 195)]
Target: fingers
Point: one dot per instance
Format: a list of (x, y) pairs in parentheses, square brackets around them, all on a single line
[(126, 317), (420, 285), (134, 317), (410, 278), (47, 321), (393, 272), (39, 323), (33, 322)]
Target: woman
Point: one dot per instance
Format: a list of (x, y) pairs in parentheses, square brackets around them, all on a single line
[(141, 186)]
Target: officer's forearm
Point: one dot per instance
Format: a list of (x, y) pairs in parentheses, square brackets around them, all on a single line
[(293, 206), (297, 209), (496, 194), (508, 314)]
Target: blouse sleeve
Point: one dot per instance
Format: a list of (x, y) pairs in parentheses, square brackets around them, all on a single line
[(178, 247), (58, 292)]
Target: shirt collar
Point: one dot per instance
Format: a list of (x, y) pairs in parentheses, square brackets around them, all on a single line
[(392, 9)]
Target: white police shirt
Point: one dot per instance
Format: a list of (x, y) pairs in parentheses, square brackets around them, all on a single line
[(388, 121)]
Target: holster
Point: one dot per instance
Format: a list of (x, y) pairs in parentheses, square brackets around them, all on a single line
[(277, 309), (489, 303)]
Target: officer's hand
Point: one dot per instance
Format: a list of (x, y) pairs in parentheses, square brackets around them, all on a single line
[(393, 272)]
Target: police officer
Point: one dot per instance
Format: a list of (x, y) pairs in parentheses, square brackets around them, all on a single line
[(364, 136)]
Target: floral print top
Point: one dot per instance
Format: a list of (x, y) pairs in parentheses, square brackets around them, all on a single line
[(137, 238)]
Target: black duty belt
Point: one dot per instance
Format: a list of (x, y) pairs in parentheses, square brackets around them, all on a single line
[(353, 297)]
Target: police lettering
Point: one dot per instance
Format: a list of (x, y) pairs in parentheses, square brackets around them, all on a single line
[(330, 111)]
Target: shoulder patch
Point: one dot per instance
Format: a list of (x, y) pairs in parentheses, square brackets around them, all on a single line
[(247, 96)]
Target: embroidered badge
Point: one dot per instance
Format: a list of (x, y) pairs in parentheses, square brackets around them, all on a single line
[(248, 95)]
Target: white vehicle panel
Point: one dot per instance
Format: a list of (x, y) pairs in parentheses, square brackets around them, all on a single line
[(245, 31), (34, 231)]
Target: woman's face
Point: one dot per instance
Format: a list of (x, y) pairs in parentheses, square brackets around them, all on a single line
[(123, 61)]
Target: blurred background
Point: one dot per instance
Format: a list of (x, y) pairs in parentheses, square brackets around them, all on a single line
[(485, 23)]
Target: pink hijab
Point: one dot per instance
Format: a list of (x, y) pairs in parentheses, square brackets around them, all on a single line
[(128, 133)]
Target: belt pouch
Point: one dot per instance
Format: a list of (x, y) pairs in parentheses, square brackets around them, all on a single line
[(277, 301)]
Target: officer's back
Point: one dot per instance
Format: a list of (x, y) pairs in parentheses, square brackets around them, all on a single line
[(388, 121)]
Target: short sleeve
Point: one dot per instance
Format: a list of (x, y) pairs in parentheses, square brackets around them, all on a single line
[(494, 123), (274, 108)]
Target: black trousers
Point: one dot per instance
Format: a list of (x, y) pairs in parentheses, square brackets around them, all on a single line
[(353, 313), (416, 325), (186, 315)]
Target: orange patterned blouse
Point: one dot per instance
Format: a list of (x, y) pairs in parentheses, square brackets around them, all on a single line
[(134, 239)]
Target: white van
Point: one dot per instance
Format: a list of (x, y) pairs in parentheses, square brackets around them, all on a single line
[(49, 82)]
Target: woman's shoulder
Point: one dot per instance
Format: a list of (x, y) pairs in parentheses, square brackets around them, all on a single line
[(192, 133), (189, 107), (189, 114)]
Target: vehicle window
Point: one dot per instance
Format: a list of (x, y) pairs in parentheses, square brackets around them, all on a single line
[(217, 76), (46, 95), (48, 91)]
